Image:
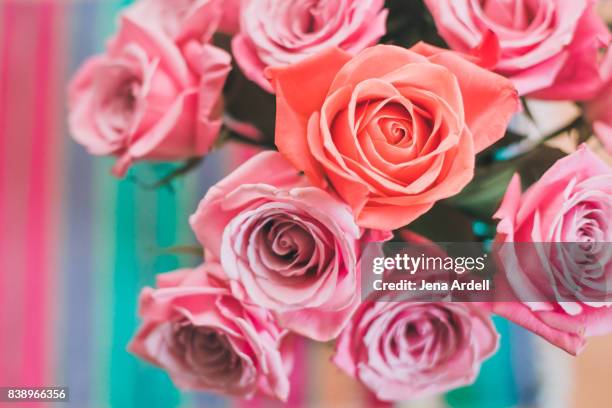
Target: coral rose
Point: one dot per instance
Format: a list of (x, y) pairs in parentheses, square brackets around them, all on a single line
[(392, 130)]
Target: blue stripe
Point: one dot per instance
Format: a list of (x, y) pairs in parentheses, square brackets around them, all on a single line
[(77, 262), (523, 359)]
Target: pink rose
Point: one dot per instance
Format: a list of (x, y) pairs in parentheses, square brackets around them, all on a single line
[(207, 340), (276, 33), (147, 99), (599, 109), (188, 19), (230, 19), (392, 130), (406, 350), (571, 205), (549, 48), (285, 245), (180, 20)]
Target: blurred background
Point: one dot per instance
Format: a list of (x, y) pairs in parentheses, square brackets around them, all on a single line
[(77, 245)]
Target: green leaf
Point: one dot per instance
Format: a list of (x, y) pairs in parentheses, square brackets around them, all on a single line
[(481, 198)]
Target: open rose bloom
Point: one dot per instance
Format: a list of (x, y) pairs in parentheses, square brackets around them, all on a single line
[(285, 245), (392, 130), (571, 205), (180, 20), (549, 48), (207, 340), (274, 33), (409, 350), (147, 98)]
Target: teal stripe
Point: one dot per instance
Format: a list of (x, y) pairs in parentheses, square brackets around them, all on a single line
[(184, 202), (187, 203), (105, 202), (144, 218), (125, 288), (146, 222), (157, 224), (166, 233), (495, 386)]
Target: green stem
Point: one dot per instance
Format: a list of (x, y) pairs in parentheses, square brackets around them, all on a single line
[(166, 181)]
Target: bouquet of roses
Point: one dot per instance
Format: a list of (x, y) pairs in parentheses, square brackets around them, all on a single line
[(371, 117)]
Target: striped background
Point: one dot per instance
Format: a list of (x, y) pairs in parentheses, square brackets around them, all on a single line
[(76, 246)]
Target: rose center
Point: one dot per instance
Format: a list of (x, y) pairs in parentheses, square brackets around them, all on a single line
[(396, 131), (429, 337), (121, 109), (589, 223), (120, 90), (290, 243), (207, 351)]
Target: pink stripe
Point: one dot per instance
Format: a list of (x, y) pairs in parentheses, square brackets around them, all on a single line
[(17, 89), (3, 80), (55, 185), (54, 182), (4, 52), (40, 200)]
